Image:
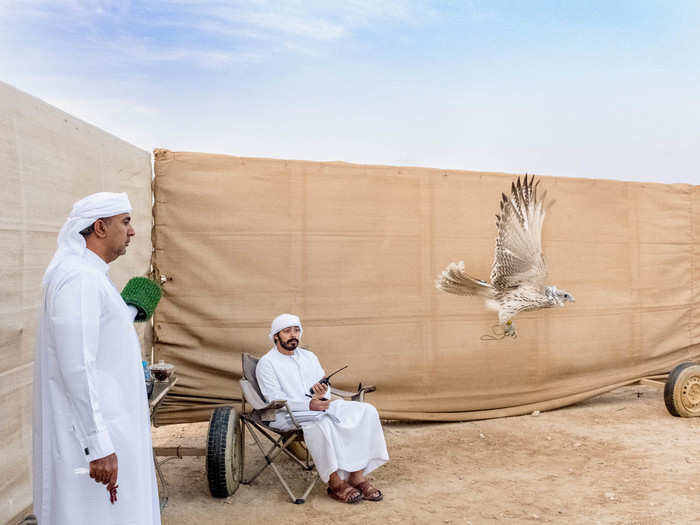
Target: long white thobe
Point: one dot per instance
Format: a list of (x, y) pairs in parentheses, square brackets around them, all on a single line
[(90, 401), (350, 441)]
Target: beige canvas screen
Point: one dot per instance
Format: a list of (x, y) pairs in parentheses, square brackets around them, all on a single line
[(354, 250), (48, 160)]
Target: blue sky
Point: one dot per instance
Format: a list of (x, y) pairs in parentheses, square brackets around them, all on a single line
[(587, 89)]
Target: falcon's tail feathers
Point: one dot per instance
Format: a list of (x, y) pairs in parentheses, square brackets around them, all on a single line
[(453, 280)]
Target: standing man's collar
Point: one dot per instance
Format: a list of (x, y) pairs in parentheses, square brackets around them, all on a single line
[(95, 260)]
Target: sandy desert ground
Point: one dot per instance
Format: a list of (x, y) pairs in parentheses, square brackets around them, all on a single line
[(619, 458)]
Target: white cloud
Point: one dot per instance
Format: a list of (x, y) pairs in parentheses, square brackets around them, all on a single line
[(280, 20), (76, 10), (206, 33), (132, 50)]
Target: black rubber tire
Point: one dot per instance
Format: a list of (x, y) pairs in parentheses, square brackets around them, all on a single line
[(674, 391), (224, 452)]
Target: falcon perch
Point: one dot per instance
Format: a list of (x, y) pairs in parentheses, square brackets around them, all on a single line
[(519, 271)]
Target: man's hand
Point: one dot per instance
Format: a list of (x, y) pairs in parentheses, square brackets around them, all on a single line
[(319, 390), (319, 404), (104, 470)]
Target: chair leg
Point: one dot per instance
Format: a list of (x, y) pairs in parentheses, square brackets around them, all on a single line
[(308, 490), (276, 443), (162, 495), (266, 455), (295, 500), (271, 455), (284, 483)]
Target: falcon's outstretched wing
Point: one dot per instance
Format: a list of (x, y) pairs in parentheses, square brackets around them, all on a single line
[(518, 258)]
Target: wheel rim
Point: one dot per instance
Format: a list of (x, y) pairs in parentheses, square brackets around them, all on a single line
[(236, 458), (690, 394)]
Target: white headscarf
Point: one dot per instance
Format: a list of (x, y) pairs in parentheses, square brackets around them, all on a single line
[(283, 321), (84, 213)]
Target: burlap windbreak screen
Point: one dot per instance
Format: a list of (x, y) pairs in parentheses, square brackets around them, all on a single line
[(354, 251)]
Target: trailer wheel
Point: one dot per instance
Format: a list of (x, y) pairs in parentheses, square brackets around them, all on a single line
[(682, 390), (224, 452)]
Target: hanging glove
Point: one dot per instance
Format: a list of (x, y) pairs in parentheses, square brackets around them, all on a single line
[(143, 294)]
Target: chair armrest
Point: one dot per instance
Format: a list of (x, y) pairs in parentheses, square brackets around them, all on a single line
[(354, 396), (252, 397)]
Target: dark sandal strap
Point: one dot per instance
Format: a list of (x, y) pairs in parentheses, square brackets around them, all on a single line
[(352, 494), (369, 492)]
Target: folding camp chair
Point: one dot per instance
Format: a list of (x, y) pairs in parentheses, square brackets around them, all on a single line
[(262, 413)]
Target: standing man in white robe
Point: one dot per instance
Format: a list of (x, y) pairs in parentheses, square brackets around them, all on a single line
[(91, 422), (347, 442)]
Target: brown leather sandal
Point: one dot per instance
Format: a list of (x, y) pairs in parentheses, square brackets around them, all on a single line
[(369, 492), (346, 494)]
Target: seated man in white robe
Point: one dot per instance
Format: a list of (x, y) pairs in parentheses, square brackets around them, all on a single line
[(346, 440)]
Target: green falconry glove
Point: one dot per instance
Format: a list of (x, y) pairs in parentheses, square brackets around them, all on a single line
[(144, 294)]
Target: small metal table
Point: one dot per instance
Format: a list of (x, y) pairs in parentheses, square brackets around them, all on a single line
[(160, 390)]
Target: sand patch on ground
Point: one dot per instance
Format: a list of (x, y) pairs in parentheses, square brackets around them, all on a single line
[(619, 458)]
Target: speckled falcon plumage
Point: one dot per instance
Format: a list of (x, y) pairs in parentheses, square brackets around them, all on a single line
[(519, 270)]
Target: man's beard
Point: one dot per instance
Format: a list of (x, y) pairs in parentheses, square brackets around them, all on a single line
[(290, 344)]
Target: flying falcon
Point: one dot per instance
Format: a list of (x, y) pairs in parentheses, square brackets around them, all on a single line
[(519, 271)]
